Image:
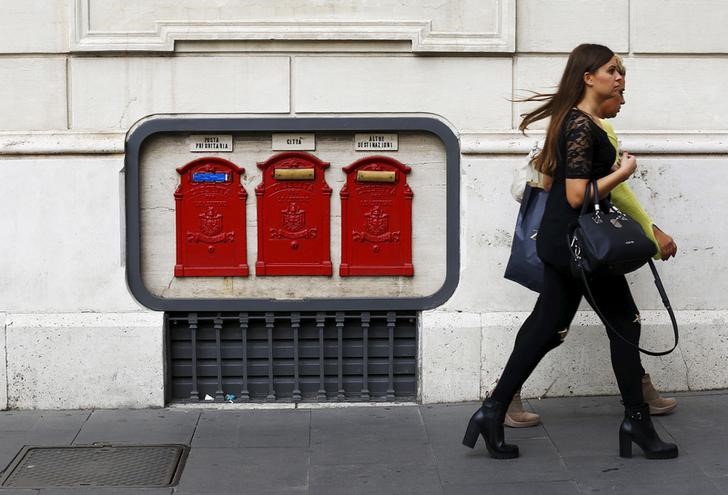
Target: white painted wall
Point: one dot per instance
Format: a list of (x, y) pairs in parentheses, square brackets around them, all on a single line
[(34, 93), (361, 83), (76, 76), (36, 26), (557, 26), (113, 93)]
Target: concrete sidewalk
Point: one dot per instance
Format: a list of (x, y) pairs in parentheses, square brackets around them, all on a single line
[(396, 449)]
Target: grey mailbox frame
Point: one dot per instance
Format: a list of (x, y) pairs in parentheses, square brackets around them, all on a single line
[(154, 126)]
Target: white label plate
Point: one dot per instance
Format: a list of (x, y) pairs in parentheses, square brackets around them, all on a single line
[(376, 142), (206, 143), (294, 142)]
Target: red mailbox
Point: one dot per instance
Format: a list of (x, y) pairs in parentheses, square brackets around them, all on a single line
[(293, 216), (376, 217), (210, 215)]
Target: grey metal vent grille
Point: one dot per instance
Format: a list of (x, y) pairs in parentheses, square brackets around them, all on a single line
[(324, 356), (92, 466)]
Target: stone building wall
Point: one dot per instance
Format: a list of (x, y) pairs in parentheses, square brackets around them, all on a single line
[(77, 74)]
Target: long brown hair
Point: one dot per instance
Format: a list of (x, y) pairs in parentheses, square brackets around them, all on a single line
[(584, 58)]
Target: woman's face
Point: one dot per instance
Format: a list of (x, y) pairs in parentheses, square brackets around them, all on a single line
[(611, 107), (606, 81)]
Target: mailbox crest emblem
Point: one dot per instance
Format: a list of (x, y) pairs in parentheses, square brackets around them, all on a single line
[(294, 218), (377, 221), (210, 222)]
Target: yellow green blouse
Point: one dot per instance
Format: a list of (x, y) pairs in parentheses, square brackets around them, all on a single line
[(624, 198)]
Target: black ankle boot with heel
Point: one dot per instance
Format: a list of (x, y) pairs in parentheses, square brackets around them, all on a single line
[(488, 421), (637, 427)]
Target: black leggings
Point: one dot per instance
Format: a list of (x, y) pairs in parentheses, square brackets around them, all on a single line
[(554, 310)]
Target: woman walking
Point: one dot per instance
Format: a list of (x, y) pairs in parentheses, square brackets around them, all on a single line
[(576, 151)]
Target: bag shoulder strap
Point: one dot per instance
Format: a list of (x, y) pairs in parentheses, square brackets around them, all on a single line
[(665, 302)]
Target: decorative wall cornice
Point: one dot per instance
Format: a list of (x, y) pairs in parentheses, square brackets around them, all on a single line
[(419, 32), (471, 143), (637, 142)]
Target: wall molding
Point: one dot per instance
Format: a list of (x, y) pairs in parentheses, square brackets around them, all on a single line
[(424, 40), (637, 142), (471, 143), (61, 143)]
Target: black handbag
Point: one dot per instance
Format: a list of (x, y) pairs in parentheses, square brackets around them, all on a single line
[(605, 239)]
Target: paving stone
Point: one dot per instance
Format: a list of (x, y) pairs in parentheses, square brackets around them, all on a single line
[(594, 473), (577, 407), (371, 448), (538, 461), (139, 426), (18, 420), (706, 451), (401, 478), (104, 491), (287, 428), (388, 420), (638, 485), (701, 415), (530, 488), (217, 429), (256, 428), (368, 435), (699, 429), (42, 420), (593, 436), (251, 470), (62, 420), (721, 483)]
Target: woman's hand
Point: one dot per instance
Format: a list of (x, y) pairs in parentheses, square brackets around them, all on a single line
[(667, 245), (627, 165)]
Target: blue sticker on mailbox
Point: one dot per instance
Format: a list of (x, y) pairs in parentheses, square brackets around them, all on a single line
[(209, 177)]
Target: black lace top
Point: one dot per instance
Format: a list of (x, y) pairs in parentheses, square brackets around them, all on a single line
[(584, 152)]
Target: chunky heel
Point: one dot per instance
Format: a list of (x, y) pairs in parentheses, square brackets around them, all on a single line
[(625, 445), (637, 427), (471, 433), (488, 422)]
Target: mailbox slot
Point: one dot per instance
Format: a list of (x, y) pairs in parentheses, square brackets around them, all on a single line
[(293, 174), (375, 176)]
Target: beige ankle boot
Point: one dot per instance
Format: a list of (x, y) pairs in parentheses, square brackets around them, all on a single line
[(658, 404), (517, 416)]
